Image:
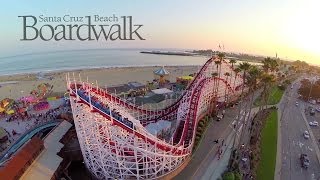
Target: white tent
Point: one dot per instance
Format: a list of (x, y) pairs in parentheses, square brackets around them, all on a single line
[(162, 91)]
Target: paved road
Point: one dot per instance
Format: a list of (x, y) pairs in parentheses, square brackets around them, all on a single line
[(203, 164), (292, 141)]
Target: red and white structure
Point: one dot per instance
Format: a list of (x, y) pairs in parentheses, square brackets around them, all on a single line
[(113, 134)]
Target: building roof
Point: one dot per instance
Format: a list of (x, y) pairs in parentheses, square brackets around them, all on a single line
[(15, 166), (162, 91), (161, 71), (188, 78), (134, 85), (3, 133), (118, 89), (46, 164)]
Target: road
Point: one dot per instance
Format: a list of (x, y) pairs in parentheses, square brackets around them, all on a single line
[(292, 125), (205, 163)]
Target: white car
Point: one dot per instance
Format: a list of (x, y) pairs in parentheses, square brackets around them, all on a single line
[(318, 109), (314, 123), (297, 104), (306, 135)]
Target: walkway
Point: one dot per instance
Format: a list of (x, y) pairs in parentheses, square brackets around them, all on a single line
[(204, 162)]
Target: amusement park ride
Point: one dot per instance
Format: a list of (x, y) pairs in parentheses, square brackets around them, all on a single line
[(112, 132)]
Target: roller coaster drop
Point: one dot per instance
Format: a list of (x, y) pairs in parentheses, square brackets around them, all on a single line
[(112, 132)]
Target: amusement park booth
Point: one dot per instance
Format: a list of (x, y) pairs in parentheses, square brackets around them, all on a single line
[(164, 92), (184, 80)]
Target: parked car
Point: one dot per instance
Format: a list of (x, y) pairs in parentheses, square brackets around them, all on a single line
[(312, 111), (306, 134), (297, 104), (219, 117), (318, 109), (305, 162), (314, 123)]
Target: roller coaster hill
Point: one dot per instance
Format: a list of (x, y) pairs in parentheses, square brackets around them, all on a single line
[(113, 133)]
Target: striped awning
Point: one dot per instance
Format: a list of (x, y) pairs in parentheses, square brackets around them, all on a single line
[(161, 71)]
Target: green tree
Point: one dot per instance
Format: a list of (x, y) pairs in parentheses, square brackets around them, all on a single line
[(232, 62), (254, 74), (267, 81), (245, 66), (273, 65), (266, 64)]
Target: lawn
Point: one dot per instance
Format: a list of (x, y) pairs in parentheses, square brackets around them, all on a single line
[(268, 148), (274, 98)]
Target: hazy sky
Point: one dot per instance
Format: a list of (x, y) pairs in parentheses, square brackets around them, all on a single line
[(289, 27)]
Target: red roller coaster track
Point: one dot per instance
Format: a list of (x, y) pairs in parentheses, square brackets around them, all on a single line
[(104, 125)]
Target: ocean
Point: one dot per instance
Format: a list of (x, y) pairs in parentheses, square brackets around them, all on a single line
[(87, 59)]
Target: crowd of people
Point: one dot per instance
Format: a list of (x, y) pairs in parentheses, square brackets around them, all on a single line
[(20, 122), (34, 119)]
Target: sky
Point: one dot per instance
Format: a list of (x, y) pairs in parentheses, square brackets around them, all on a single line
[(289, 28)]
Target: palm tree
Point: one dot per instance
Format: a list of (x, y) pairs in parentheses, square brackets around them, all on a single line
[(227, 75), (245, 66), (267, 80), (273, 65), (236, 72), (218, 63), (252, 78), (232, 62), (266, 64), (221, 55), (213, 103)]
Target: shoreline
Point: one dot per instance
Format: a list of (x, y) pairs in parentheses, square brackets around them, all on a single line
[(26, 82), (79, 69)]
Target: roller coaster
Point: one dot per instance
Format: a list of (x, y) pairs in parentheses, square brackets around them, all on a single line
[(112, 132)]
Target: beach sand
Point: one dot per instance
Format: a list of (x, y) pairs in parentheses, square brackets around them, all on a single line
[(22, 85)]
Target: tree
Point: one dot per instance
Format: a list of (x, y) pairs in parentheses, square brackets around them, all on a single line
[(267, 81), (273, 65), (232, 62), (266, 64), (254, 74), (236, 71), (226, 95), (245, 66), (218, 63), (213, 103)]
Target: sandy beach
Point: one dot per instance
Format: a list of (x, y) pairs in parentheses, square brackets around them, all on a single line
[(16, 86)]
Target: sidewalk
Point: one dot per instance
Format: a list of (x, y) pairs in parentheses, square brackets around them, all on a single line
[(218, 166), (207, 148)]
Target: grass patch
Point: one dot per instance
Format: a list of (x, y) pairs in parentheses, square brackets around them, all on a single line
[(269, 135), (274, 98)]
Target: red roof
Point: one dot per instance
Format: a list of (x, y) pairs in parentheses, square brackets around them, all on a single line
[(16, 166)]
